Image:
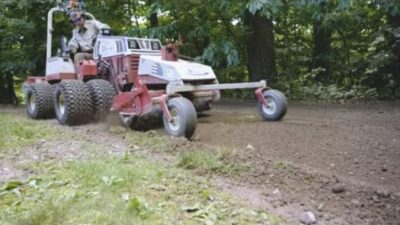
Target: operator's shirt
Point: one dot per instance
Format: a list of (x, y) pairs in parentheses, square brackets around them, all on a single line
[(84, 38)]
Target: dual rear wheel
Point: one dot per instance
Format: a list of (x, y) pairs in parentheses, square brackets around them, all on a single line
[(77, 102), (39, 101), (71, 102)]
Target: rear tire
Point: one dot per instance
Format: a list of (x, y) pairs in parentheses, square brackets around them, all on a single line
[(72, 103), (184, 118), (39, 101), (102, 94), (277, 106)]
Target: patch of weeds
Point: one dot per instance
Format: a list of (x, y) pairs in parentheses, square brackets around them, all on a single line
[(118, 129), (17, 132), (309, 179), (119, 190), (281, 166), (148, 139), (48, 213), (139, 207), (207, 161), (248, 119), (189, 155), (272, 219)]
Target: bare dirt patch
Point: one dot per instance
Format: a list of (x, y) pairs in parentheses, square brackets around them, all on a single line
[(294, 164)]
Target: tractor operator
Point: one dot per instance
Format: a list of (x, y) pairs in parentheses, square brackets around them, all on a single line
[(83, 36)]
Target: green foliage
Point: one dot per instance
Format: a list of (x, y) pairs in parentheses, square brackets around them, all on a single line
[(217, 51), (363, 37), (305, 87), (266, 7)]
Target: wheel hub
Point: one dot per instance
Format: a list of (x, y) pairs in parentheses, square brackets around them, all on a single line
[(175, 120), (125, 119), (61, 104), (270, 107), (32, 103)]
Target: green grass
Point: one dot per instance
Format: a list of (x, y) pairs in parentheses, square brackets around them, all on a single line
[(208, 161), (17, 132), (125, 189), (151, 140), (202, 159)]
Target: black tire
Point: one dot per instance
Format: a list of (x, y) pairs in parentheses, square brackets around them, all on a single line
[(102, 94), (72, 103), (39, 101), (184, 118), (277, 106)]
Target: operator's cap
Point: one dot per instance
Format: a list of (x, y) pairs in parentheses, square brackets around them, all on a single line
[(74, 15)]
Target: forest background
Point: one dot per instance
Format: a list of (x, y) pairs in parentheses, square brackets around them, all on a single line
[(310, 49)]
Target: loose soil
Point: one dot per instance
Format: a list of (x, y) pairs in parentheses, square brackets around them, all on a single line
[(294, 164)]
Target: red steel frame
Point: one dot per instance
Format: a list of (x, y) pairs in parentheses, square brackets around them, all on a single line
[(139, 100)]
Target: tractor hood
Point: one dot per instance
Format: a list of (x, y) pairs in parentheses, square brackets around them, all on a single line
[(153, 65)]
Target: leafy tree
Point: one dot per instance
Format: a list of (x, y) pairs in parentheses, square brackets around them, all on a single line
[(21, 46), (320, 48)]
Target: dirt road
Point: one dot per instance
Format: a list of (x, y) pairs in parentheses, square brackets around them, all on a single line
[(294, 164)]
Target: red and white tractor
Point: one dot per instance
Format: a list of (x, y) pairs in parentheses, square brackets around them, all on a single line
[(133, 77)]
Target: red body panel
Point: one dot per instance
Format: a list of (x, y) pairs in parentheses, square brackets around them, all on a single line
[(87, 69), (131, 64), (32, 80), (170, 53), (137, 101), (147, 79), (61, 76)]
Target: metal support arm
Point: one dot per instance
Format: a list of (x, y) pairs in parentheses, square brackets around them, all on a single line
[(171, 89)]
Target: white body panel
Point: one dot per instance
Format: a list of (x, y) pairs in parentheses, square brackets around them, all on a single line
[(174, 70), (56, 65), (107, 46)]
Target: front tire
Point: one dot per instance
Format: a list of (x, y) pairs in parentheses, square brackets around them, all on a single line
[(39, 101), (276, 106), (72, 103), (102, 94), (184, 118)]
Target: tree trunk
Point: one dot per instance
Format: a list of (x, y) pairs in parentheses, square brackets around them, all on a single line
[(321, 47), (7, 92), (260, 47), (154, 20), (3, 90), (153, 16), (394, 46)]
